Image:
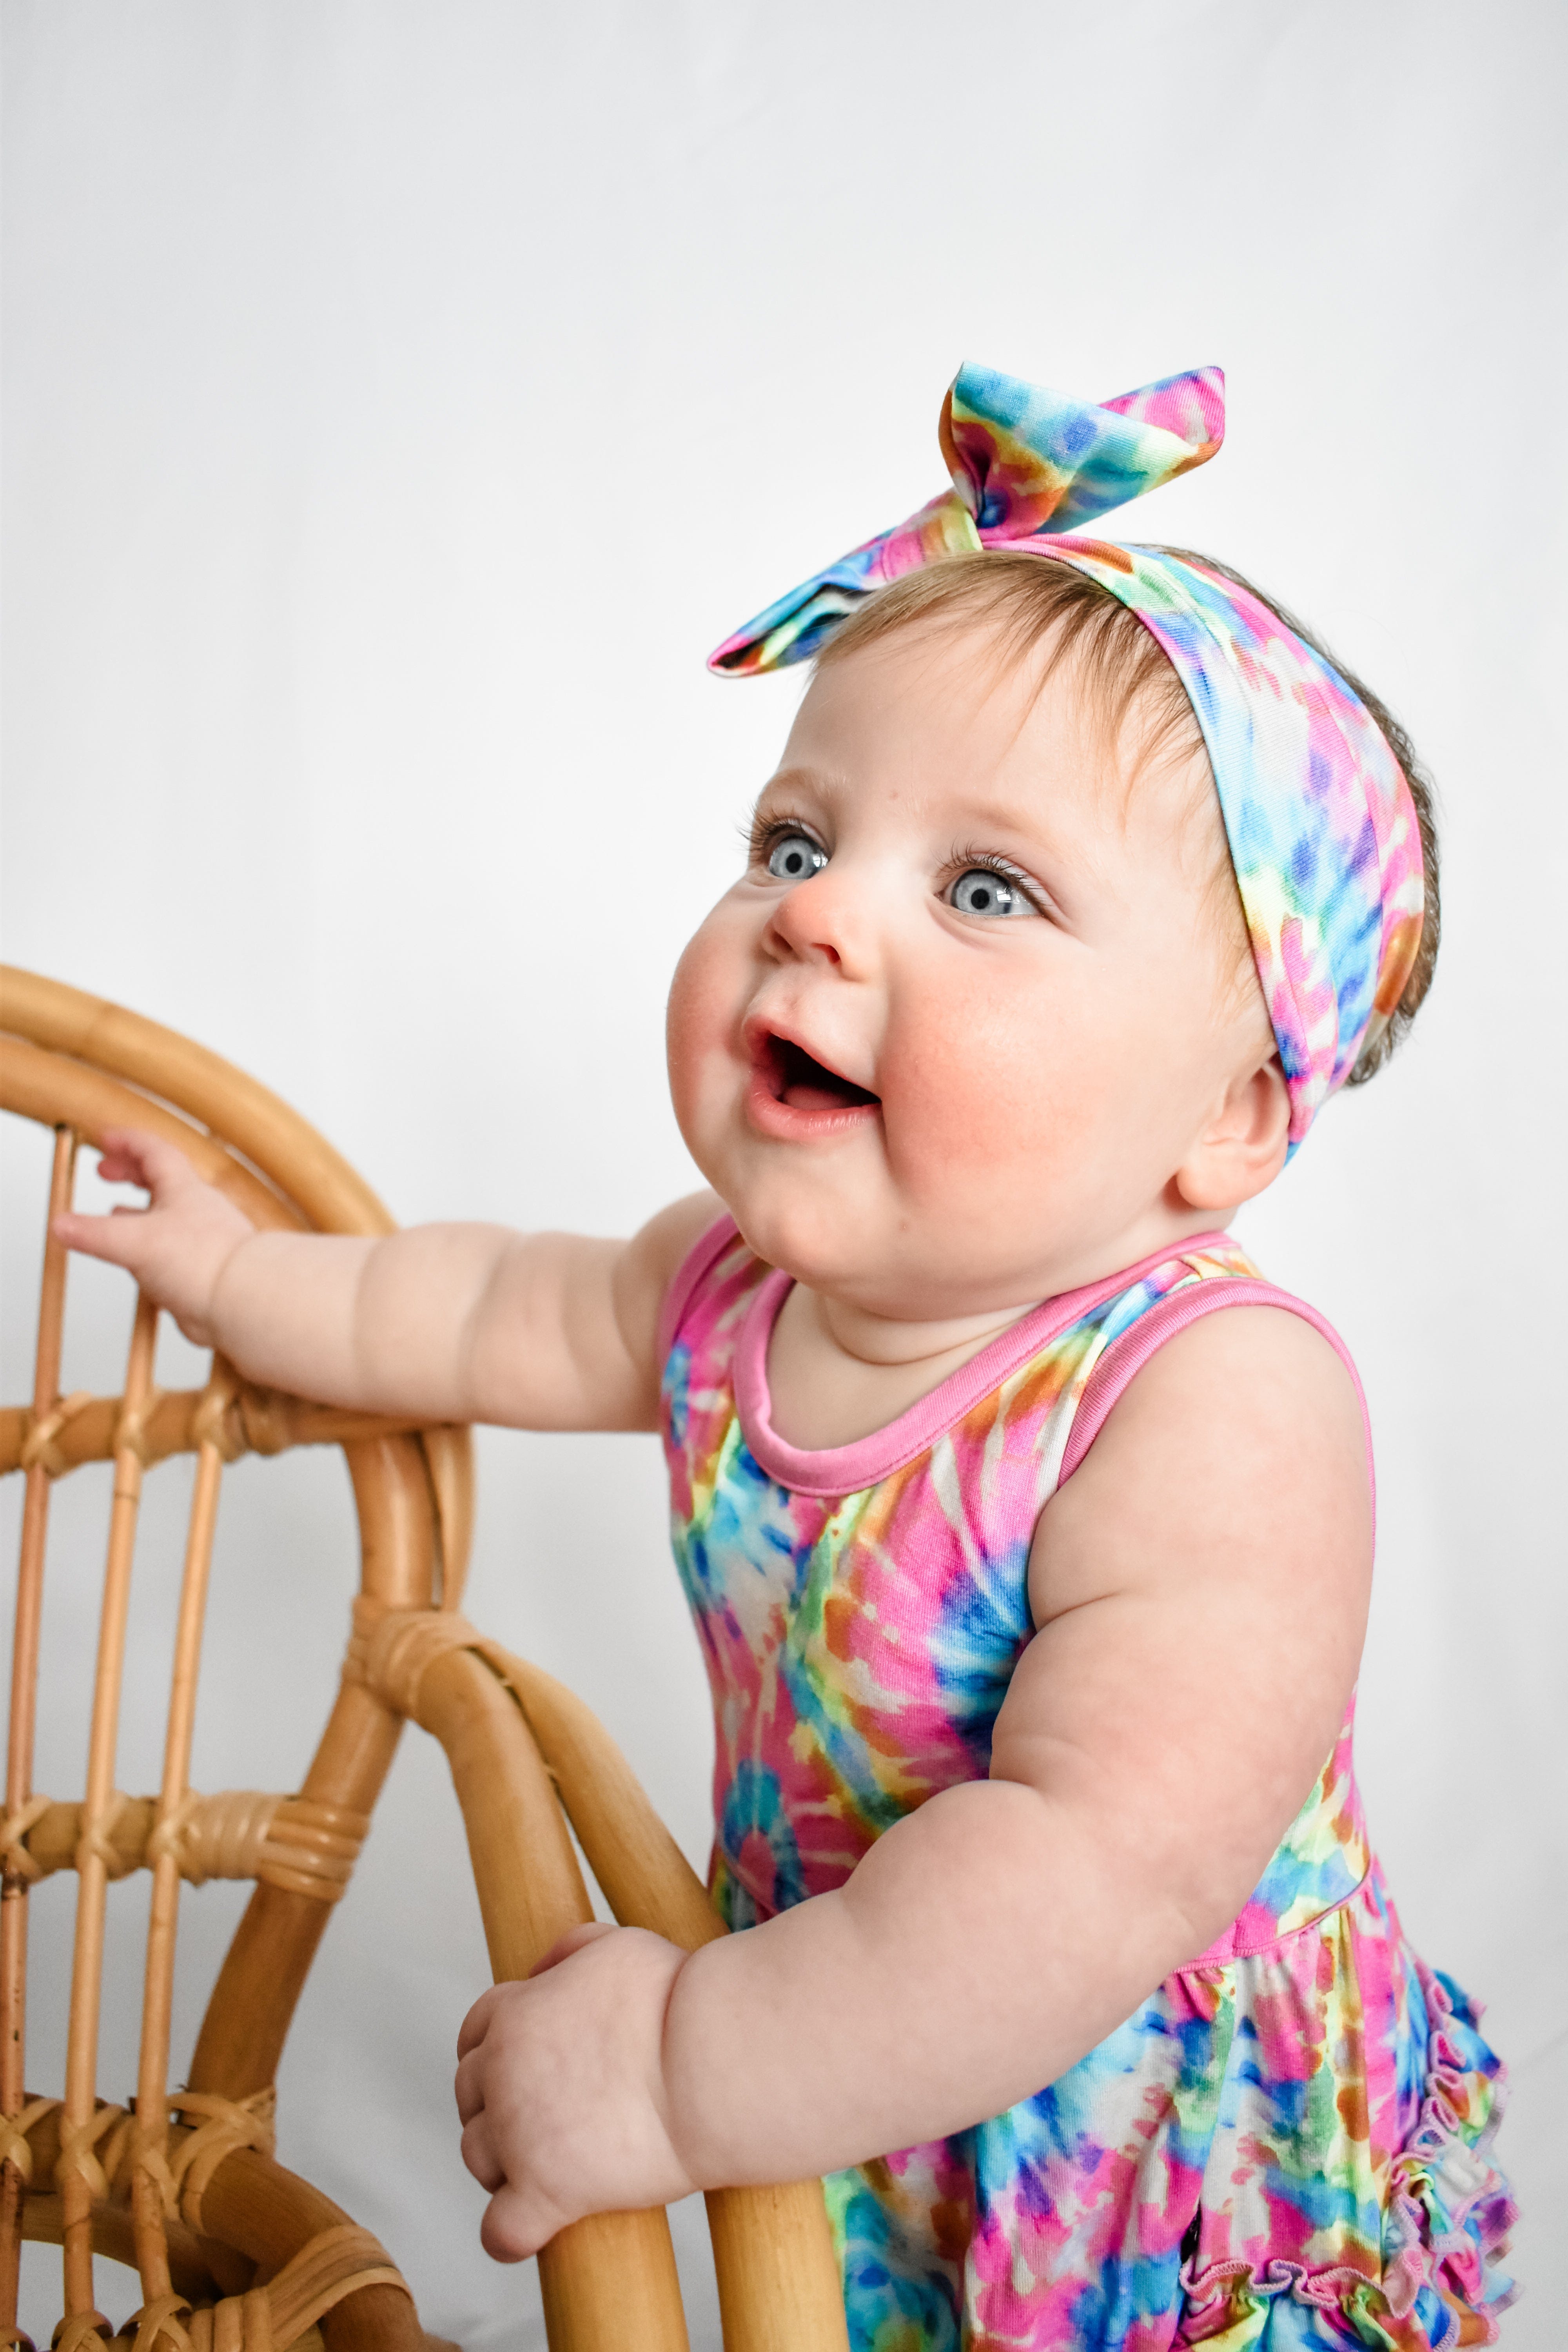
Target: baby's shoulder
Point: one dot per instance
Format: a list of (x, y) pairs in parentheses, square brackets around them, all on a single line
[(1195, 1345), (1236, 1447), (1261, 1363), (1256, 1390)]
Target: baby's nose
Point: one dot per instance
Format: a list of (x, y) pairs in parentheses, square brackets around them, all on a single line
[(818, 922)]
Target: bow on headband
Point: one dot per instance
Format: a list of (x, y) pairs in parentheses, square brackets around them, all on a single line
[(1323, 831), (1023, 461)]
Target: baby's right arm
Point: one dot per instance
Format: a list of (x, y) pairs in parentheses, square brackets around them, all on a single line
[(449, 1322)]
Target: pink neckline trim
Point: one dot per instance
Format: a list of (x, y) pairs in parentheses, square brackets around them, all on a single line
[(836, 1470)]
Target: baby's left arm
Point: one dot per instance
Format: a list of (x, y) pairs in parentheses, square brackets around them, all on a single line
[(1200, 1587)]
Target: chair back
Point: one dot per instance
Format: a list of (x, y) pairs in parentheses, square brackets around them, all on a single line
[(79, 1066)]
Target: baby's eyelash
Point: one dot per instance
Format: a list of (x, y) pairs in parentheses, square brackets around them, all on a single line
[(963, 860), (761, 833)]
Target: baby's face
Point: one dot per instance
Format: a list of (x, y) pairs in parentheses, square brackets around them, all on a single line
[(943, 1045)]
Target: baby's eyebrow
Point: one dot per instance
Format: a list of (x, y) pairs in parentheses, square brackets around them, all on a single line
[(818, 780), (1022, 826), (1024, 814)]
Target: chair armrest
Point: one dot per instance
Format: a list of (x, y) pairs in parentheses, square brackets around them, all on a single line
[(510, 1731), (596, 2273)]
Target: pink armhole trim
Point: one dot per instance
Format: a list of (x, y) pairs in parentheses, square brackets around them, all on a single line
[(1126, 1357), (687, 1278)]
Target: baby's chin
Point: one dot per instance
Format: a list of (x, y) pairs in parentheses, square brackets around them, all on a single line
[(854, 1242), (803, 1210)]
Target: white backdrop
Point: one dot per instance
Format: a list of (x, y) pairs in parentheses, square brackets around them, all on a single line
[(402, 396)]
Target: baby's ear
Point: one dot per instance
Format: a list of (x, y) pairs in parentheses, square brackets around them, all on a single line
[(1242, 1147)]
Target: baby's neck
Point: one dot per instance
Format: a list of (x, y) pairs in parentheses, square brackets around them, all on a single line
[(838, 1371), (873, 1343), (836, 1374)]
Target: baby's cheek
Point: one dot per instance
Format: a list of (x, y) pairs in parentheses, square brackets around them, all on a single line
[(699, 1019), (979, 1095)]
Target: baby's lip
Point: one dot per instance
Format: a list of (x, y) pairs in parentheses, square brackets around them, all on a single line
[(792, 1083), (789, 1063)]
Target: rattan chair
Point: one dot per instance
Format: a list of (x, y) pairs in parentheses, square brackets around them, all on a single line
[(234, 2253)]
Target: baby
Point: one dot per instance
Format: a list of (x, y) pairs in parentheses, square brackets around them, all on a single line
[(1031, 1587)]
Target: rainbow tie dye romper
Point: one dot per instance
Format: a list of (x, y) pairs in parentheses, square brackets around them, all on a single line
[(1287, 2145)]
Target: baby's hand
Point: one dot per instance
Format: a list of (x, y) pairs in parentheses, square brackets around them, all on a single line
[(179, 1244), (560, 2089)]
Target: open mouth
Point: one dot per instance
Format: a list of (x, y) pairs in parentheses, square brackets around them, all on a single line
[(796, 1078)]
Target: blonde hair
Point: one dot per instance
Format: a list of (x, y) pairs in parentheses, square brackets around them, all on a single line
[(1027, 606)]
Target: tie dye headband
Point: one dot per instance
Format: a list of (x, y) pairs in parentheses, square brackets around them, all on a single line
[(1323, 831)]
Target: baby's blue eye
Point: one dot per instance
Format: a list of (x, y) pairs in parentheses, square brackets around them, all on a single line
[(981, 891), (794, 856)]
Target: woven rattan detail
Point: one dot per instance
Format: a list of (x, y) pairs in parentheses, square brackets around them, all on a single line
[(331, 2266), (15, 2146), (94, 2151), (221, 2125), (222, 1836), (312, 1849), (162, 2317), (390, 1649), (215, 1421), (235, 1833), (39, 1447), (96, 1839), (104, 2152), (19, 1866), (335, 2264), (131, 1427), (235, 1418), (87, 2329), (240, 2323)]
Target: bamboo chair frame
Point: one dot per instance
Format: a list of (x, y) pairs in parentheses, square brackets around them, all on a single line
[(234, 2253)]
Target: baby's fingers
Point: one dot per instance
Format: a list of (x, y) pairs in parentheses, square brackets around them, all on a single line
[(480, 2155), (178, 1244), (475, 2026), (121, 1238), (120, 1168), (517, 2224), (469, 2086), (571, 1941), (129, 1155)]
